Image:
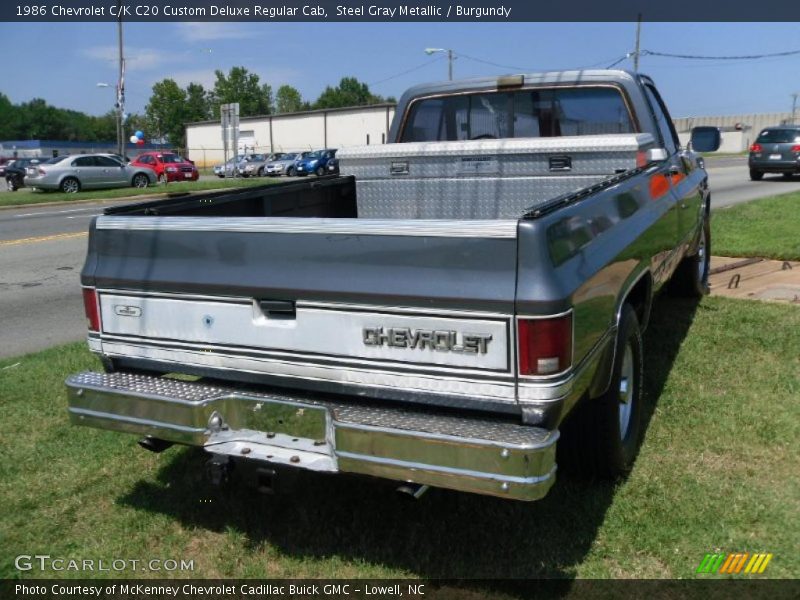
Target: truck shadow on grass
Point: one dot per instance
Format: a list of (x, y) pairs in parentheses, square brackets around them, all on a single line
[(445, 534)]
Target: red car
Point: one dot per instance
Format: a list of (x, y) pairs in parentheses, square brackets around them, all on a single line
[(168, 166)]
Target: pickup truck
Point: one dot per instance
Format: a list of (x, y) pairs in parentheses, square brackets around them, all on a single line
[(434, 315)]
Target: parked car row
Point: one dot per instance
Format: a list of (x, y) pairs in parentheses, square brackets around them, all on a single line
[(320, 162), (72, 174)]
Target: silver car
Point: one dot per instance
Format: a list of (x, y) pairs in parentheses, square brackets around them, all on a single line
[(72, 174), (226, 169), (253, 164), (285, 164)]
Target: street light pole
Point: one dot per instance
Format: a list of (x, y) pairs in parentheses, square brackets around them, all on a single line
[(120, 104), (794, 105), (450, 58)]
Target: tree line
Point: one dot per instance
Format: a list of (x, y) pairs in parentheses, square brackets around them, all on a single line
[(171, 106)]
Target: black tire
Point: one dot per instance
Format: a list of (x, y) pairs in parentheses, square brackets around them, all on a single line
[(756, 175), (221, 176), (600, 440), (290, 172), (140, 180), (70, 185), (320, 171), (260, 171), (690, 279)]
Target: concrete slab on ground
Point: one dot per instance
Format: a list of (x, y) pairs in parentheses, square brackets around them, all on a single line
[(755, 279)]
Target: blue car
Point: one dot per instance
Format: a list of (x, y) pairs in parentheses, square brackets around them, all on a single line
[(315, 162)]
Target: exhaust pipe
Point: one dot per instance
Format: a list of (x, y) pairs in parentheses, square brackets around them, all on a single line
[(413, 491), (154, 444)]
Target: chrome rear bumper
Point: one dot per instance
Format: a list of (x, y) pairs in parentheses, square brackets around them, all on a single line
[(482, 456)]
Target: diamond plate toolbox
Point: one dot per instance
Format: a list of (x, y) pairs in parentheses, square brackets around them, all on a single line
[(482, 179)]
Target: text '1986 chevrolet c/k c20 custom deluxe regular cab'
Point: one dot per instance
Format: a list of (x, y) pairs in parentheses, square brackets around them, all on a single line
[(432, 315)]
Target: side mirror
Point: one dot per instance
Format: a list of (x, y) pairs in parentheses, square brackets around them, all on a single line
[(705, 139)]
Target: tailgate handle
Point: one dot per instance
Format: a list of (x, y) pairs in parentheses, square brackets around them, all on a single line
[(560, 163), (278, 309)]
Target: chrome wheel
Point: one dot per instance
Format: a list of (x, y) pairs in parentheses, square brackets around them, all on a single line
[(626, 392), (702, 262), (141, 181)]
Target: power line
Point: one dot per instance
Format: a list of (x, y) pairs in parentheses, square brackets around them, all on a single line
[(619, 60), (411, 70), (707, 57), (488, 62)]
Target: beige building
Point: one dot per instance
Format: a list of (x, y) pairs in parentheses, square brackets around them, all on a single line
[(309, 130), (360, 125)]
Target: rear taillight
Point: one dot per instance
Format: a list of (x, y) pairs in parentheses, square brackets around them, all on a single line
[(756, 148), (545, 345), (92, 308), (795, 148)]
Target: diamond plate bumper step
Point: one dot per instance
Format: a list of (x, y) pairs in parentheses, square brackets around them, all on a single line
[(479, 455)]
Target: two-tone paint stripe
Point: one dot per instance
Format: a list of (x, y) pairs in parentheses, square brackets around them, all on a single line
[(735, 563)]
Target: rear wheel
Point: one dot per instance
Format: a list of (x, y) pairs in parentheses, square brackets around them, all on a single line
[(140, 180), (691, 277), (608, 430), (756, 175), (290, 172), (260, 171), (70, 185)]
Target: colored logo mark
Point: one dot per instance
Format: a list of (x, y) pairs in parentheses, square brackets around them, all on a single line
[(735, 563)]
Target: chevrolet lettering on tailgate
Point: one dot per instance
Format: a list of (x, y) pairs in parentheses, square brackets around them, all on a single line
[(443, 341)]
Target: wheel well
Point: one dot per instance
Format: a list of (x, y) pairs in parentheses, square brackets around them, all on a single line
[(639, 297)]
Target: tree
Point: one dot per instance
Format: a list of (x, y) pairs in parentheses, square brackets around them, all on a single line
[(288, 100), (242, 87), (166, 112), (197, 105), (8, 117), (349, 92)]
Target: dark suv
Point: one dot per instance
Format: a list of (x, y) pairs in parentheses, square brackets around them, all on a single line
[(776, 150)]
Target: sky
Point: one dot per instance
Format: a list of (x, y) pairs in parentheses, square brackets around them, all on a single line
[(68, 60)]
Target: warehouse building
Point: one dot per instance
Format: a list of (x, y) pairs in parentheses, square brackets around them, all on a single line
[(308, 130)]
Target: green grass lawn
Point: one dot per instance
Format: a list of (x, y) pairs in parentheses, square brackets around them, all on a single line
[(768, 228), (26, 196), (717, 473)]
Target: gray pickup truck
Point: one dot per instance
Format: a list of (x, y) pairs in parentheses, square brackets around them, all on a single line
[(431, 316)]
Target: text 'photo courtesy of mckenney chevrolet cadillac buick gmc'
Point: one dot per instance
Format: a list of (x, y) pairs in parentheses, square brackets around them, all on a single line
[(435, 314)]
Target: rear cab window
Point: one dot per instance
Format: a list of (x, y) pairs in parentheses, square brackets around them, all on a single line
[(542, 112)]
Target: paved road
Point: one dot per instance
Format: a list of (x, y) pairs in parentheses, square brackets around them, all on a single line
[(730, 183), (41, 255), (42, 251)]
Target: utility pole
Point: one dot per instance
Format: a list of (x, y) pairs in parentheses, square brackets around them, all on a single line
[(450, 65), (638, 39), (450, 58), (120, 86), (794, 105)]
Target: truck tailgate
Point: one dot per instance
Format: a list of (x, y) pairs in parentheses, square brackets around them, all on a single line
[(394, 308)]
